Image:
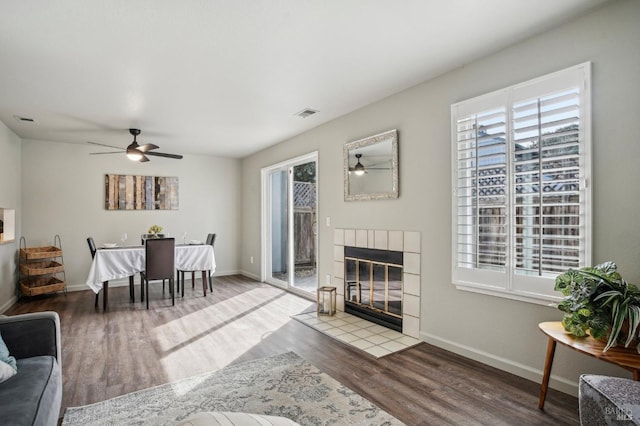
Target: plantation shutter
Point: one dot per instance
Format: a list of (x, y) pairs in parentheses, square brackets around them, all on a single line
[(520, 203), (546, 158), (481, 186)]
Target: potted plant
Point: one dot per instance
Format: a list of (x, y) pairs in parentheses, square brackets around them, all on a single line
[(599, 302), (155, 230)]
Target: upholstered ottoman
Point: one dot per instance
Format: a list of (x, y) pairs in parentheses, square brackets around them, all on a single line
[(215, 418), (608, 400)]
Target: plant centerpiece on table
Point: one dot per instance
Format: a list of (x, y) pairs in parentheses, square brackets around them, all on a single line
[(155, 230), (599, 302)]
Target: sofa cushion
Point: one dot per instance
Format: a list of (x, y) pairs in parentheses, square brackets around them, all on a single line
[(8, 366), (31, 396), (5, 355), (6, 371), (606, 400)]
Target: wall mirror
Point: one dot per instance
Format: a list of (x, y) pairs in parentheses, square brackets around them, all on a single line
[(7, 225), (371, 167)]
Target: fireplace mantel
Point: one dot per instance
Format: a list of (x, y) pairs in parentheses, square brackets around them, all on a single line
[(407, 242)]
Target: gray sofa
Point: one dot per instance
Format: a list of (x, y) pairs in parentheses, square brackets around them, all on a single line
[(34, 395), (605, 400)]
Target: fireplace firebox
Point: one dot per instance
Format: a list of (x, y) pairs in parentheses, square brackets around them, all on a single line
[(373, 285)]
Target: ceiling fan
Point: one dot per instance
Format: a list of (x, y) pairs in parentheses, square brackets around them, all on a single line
[(359, 169), (136, 152)]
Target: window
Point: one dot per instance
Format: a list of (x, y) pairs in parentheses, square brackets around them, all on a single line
[(521, 191)]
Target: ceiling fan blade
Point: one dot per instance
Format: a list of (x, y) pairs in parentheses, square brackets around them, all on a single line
[(147, 147), (110, 146), (162, 154), (110, 152), (144, 159)]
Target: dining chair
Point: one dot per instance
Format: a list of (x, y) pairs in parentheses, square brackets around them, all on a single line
[(159, 265), (206, 276), (211, 240), (93, 249)]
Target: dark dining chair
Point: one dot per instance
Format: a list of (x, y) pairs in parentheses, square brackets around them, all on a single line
[(160, 256), (206, 276), (93, 249), (211, 240)]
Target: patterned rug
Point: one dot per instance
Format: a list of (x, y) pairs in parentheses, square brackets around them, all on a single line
[(282, 385)]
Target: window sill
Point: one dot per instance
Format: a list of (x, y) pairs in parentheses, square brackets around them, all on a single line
[(538, 299)]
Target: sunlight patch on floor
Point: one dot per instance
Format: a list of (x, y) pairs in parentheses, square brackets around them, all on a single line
[(212, 338)]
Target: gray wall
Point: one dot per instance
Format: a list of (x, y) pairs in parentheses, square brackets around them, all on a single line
[(63, 193), (10, 198), (497, 331)]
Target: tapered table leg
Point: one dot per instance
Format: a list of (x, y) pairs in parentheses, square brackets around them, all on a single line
[(548, 362), (132, 293), (105, 295)]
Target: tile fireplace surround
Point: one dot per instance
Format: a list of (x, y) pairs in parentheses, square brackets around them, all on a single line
[(407, 242)]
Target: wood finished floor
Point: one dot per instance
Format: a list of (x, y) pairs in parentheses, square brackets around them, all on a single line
[(129, 348)]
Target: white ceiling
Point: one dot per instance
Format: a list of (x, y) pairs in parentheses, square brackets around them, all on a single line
[(226, 77)]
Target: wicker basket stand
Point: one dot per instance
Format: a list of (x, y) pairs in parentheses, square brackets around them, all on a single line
[(41, 269)]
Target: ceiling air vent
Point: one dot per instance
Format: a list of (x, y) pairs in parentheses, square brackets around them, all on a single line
[(306, 112), (27, 120)]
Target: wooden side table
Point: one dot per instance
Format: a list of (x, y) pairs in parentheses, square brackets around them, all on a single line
[(627, 358)]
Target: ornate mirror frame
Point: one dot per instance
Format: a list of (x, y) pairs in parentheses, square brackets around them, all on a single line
[(350, 150)]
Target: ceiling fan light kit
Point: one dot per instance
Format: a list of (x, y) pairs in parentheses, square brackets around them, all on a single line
[(136, 152), (358, 169), (135, 155)]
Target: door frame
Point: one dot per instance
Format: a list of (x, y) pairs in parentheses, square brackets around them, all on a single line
[(265, 249)]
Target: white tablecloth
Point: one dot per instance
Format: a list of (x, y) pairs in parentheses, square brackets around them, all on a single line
[(114, 263)]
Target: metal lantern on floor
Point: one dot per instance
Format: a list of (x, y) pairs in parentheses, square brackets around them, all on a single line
[(326, 301)]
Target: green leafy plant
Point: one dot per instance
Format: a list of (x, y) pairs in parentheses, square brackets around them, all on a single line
[(598, 301), (155, 229)]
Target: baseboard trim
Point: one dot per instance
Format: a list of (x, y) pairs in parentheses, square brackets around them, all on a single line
[(12, 301), (225, 273), (535, 375), (250, 275)]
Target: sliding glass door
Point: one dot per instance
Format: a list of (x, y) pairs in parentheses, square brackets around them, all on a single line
[(290, 224), (279, 225)]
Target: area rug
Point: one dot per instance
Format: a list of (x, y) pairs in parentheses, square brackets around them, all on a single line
[(282, 385)]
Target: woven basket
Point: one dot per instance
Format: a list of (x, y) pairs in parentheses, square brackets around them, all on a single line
[(30, 253), (41, 268), (38, 286)]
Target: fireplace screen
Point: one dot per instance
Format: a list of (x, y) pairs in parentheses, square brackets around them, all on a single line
[(374, 285)]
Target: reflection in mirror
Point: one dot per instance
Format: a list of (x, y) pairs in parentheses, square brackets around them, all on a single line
[(7, 225), (371, 167)]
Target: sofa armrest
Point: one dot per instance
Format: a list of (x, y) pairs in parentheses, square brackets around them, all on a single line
[(34, 334)]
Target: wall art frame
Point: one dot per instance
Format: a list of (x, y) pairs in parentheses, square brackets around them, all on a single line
[(133, 192)]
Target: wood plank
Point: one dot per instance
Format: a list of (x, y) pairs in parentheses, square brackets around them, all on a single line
[(129, 348)]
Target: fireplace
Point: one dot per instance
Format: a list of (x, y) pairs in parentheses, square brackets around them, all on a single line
[(373, 285), (408, 244)]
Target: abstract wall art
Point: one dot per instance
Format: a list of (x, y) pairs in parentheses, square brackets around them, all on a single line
[(128, 192)]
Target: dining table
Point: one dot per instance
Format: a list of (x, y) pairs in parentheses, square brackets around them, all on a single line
[(112, 263)]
